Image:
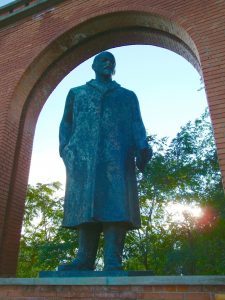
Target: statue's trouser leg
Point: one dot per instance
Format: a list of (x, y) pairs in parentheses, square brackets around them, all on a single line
[(88, 245), (114, 237)]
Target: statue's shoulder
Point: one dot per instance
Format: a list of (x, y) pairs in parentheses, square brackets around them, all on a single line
[(78, 89), (128, 93)]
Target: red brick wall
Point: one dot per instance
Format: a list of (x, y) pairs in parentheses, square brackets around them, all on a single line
[(138, 292), (38, 51)]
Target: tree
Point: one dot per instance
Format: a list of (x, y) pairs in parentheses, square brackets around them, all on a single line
[(44, 243), (185, 171)]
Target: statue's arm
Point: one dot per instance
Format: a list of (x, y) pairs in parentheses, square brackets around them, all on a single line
[(65, 128), (143, 150)]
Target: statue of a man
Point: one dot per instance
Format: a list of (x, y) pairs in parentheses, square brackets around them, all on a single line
[(101, 137)]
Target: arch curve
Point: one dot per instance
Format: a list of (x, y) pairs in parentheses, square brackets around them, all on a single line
[(83, 41), (96, 34)]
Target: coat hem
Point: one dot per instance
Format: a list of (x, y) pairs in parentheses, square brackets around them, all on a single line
[(129, 225)]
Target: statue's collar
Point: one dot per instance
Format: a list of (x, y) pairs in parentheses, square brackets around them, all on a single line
[(103, 88)]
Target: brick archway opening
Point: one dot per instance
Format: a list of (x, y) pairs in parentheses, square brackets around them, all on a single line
[(48, 69)]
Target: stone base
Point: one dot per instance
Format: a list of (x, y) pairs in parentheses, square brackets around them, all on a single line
[(119, 288), (45, 274)]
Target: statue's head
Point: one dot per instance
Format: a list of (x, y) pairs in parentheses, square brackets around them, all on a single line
[(104, 64)]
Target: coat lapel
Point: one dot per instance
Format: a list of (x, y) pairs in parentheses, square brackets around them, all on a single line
[(103, 89)]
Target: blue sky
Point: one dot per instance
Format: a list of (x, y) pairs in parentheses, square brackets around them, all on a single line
[(167, 87), (4, 2)]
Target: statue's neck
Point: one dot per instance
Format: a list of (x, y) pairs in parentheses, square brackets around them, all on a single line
[(103, 80)]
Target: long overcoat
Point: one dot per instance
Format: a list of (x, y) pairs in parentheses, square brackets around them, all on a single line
[(101, 132)]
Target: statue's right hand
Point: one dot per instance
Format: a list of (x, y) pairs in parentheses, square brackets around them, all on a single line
[(68, 158), (62, 151), (66, 153)]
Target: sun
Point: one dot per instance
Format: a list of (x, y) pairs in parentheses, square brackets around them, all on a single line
[(177, 211)]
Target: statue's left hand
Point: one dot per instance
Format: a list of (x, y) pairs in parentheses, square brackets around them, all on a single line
[(143, 158)]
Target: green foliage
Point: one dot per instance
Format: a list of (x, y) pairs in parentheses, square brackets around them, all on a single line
[(44, 243), (183, 171)]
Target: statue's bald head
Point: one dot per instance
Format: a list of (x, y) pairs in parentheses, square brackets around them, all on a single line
[(104, 64), (104, 54)]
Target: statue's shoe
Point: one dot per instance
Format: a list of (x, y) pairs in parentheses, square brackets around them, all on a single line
[(76, 265)]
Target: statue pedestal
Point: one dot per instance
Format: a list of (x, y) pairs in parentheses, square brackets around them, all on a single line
[(45, 274), (114, 287)]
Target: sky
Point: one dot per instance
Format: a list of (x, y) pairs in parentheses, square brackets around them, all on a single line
[(168, 87), (4, 2)]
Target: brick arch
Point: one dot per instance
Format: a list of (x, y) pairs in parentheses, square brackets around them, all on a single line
[(86, 36), (100, 32)]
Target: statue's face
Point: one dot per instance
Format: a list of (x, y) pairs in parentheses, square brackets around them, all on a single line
[(104, 64)]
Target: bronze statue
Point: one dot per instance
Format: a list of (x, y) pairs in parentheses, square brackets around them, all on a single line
[(101, 137)]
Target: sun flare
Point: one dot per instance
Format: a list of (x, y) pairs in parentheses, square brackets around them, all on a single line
[(178, 210)]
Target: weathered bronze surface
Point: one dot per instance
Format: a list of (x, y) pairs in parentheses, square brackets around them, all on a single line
[(101, 134)]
